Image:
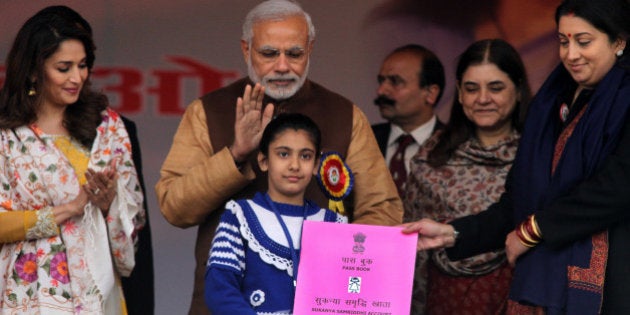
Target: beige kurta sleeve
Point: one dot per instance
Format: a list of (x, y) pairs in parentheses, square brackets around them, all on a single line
[(376, 198), (195, 180)]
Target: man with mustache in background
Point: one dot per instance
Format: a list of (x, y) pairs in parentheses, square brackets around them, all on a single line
[(213, 156), (410, 84)]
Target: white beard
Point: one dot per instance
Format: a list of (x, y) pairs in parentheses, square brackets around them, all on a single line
[(273, 91)]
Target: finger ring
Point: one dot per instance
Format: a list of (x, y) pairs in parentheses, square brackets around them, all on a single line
[(96, 191)]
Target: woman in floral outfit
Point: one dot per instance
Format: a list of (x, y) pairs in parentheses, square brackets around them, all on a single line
[(461, 171), (70, 202)]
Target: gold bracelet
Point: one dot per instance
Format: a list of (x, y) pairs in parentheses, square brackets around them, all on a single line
[(535, 226), (525, 234), (522, 239)]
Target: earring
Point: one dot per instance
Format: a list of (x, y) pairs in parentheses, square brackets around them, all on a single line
[(32, 92), (619, 53)]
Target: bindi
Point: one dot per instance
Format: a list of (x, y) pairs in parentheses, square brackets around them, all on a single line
[(569, 35)]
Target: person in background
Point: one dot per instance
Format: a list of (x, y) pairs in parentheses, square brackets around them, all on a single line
[(450, 26), (71, 205), (213, 156), (410, 85), (253, 265), (564, 216), (139, 286), (461, 170)]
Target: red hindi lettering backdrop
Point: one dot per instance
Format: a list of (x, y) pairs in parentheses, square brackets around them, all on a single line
[(154, 57)]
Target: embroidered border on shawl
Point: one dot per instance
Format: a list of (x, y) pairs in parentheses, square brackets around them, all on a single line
[(45, 225), (592, 279), (588, 279), (564, 137)]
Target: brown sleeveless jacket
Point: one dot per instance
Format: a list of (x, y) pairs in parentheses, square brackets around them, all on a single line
[(330, 111)]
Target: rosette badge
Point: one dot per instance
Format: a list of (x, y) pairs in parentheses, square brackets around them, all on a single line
[(335, 179)]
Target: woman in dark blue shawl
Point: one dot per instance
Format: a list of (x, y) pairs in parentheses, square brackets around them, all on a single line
[(572, 173)]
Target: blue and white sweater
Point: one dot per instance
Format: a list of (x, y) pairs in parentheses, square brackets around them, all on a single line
[(250, 270)]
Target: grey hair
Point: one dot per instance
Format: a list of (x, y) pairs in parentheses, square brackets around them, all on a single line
[(275, 10)]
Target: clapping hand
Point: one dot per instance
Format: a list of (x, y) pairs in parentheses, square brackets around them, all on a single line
[(101, 187)]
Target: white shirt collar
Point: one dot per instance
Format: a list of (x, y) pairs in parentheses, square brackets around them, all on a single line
[(420, 134)]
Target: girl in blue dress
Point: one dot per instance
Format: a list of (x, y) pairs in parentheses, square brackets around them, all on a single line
[(254, 256)]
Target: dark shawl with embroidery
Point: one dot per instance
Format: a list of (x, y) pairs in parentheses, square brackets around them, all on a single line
[(569, 280)]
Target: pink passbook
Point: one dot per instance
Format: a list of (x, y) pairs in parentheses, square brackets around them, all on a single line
[(354, 269)]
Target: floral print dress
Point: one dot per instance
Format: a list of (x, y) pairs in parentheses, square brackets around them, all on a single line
[(71, 268)]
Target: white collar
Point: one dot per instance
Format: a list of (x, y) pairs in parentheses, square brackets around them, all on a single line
[(420, 134)]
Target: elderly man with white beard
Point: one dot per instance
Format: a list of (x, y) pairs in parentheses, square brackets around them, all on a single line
[(213, 156)]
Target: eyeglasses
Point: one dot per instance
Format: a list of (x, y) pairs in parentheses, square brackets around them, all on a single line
[(295, 54)]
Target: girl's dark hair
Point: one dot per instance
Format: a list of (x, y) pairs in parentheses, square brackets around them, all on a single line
[(38, 39), (292, 121), (459, 128)]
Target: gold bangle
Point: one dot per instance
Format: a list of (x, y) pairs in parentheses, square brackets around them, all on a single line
[(526, 235), (522, 240), (535, 226), (526, 244)]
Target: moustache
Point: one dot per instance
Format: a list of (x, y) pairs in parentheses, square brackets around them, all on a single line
[(384, 100)]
